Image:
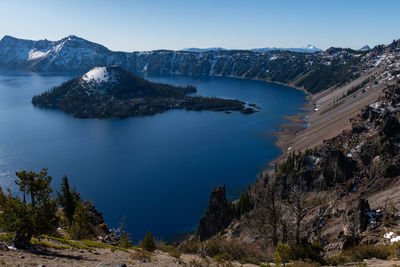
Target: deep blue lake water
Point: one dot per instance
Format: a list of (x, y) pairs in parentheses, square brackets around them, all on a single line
[(157, 171)]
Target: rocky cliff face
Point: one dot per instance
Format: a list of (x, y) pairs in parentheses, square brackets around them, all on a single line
[(313, 71), (218, 215)]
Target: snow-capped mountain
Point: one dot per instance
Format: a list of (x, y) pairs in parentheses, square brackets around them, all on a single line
[(365, 48), (69, 53)]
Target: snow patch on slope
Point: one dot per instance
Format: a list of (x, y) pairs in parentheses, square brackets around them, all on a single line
[(34, 54), (98, 74)]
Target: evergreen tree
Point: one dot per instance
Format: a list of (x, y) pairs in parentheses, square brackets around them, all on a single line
[(35, 218), (3, 197), (148, 242), (80, 228), (125, 241), (67, 200)]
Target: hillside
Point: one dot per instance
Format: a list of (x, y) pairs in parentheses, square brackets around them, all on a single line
[(105, 92), (336, 190)]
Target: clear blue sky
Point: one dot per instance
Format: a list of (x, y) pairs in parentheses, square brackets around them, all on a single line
[(172, 24)]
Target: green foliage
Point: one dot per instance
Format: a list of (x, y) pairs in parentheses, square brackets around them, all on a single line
[(307, 252), (148, 243), (47, 244), (37, 185), (174, 252), (3, 197), (36, 218), (190, 246), (362, 252), (283, 253), (359, 253), (142, 255), (81, 227), (67, 199), (289, 165), (125, 241), (230, 251), (243, 205)]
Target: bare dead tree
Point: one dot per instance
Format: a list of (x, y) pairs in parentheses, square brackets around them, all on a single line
[(298, 209), (268, 208)]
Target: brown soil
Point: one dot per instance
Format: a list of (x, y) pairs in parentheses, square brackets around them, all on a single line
[(324, 121), (71, 257)]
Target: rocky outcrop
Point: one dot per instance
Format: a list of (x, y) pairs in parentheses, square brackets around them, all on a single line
[(218, 215)]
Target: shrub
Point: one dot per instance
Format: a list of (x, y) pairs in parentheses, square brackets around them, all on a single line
[(190, 246), (142, 255), (174, 252), (307, 251), (81, 227), (230, 250), (337, 260), (148, 243), (362, 252), (283, 253), (125, 241), (359, 253)]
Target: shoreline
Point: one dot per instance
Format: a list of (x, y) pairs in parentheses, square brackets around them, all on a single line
[(295, 125)]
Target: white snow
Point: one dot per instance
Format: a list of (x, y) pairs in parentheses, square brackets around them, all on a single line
[(392, 237), (34, 54), (388, 235), (375, 105), (98, 74), (11, 247)]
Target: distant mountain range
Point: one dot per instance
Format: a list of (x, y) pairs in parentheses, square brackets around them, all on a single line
[(307, 49), (312, 71), (201, 50)]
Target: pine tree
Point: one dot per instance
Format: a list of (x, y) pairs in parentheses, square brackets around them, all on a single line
[(148, 242), (80, 228), (35, 218), (67, 200), (125, 240)]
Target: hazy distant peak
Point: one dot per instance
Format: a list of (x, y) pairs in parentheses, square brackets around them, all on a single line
[(365, 48), (199, 50)]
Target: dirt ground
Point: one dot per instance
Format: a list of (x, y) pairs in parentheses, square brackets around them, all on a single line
[(325, 122), (50, 257)]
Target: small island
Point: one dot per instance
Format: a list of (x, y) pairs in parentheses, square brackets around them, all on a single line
[(113, 92)]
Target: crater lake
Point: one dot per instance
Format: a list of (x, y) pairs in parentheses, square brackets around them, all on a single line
[(156, 171)]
